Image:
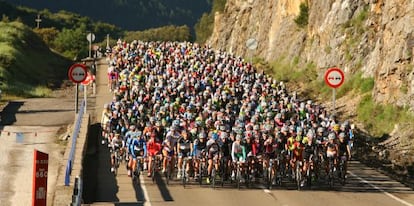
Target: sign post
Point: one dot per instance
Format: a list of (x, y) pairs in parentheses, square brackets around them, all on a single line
[(251, 44), (77, 73), (90, 37), (334, 77), (40, 170)]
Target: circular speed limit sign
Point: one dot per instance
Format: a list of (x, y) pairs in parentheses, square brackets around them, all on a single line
[(77, 73), (334, 77)]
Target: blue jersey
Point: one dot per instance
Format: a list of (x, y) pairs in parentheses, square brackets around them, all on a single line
[(138, 145)]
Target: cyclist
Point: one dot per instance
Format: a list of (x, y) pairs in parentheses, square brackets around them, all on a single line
[(200, 146), (344, 150), (213, 150), (238, 152), (137, 148), (153, 148), (115, 145), (309, 151), (169, 145), (225, 144), (185, 149), (331, 150)]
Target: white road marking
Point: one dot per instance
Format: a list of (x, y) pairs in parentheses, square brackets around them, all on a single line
[(266, 191), (383, 191), (144, 189)]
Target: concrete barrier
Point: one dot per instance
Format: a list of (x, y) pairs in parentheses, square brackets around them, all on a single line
[(63, 193)]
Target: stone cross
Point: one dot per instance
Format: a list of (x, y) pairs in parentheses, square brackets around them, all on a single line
[(38, 20)]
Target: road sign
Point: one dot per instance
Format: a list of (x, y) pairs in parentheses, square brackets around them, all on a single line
[(40, 170), (77, 73), (334, 77), (89, 79), (90, 37), (251, 44)]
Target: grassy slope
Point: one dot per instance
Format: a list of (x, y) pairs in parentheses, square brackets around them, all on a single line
[(27, 65)]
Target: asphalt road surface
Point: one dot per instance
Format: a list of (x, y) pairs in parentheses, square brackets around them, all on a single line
[(365, 186)]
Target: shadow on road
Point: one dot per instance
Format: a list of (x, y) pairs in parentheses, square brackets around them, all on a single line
[(165, 193), (97, 156), (8, 115)]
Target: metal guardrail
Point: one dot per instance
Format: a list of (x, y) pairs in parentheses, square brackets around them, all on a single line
[(75, 134)]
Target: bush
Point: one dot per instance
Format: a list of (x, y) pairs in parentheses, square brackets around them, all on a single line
[(166, 33), (379, 119), (302, 19)]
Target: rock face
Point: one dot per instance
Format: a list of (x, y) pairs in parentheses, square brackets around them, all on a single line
[(374, 37)]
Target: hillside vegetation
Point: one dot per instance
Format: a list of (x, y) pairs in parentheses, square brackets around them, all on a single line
[(129, 14), (27, 66)]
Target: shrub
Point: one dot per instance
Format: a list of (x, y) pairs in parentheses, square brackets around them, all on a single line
[(302, 19)]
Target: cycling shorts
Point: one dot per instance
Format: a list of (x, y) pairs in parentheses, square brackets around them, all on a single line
[(213, 155), (137, 153), (184, 153)]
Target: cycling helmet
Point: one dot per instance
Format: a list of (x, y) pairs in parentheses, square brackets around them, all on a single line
[(299, 130), (132, 127), (320, 130), (238, 137), (335, 127), (342, 135), (224, 135), (214, 136), (176, 123), (202, 135), (331, 136), (310, 134), (278, 115), (284, 129)]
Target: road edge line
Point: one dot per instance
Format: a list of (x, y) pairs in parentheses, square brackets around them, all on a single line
[(380, 189), (147, 201)]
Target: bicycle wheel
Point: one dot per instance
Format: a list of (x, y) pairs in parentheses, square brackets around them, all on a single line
[(238, 177), (200, 173), (342, 173), (153, 165), (183, 174), (269, 178), (167, 172), (298, 176)]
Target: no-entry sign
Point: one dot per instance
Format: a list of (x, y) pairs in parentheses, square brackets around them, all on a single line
[(334, 77), (77, 73)]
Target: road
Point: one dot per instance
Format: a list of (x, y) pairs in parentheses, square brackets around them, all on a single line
[(365, 186), (39, 122)]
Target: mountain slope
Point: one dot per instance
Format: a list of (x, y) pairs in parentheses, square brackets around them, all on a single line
[(129, 14), (26, 63)]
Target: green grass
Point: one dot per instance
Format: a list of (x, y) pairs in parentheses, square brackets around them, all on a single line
[(379, 120), (27, 66), (356, 83)]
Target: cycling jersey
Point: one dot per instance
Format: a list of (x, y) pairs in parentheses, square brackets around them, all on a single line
[(342, 147), (153, 147), (238, 152), (138, 147)]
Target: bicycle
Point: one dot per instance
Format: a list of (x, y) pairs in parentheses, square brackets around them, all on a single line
[(154, 165), (223, 169), (202, 170), (298, 174), (309, 171), (342, 170), (331, 171), (117, 160), (137, 173), (184, 174), (167, 172)]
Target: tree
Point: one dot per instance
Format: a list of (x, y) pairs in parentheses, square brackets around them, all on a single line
[(72, 42)]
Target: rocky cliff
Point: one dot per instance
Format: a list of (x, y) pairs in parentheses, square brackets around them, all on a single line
[(374, 37)]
